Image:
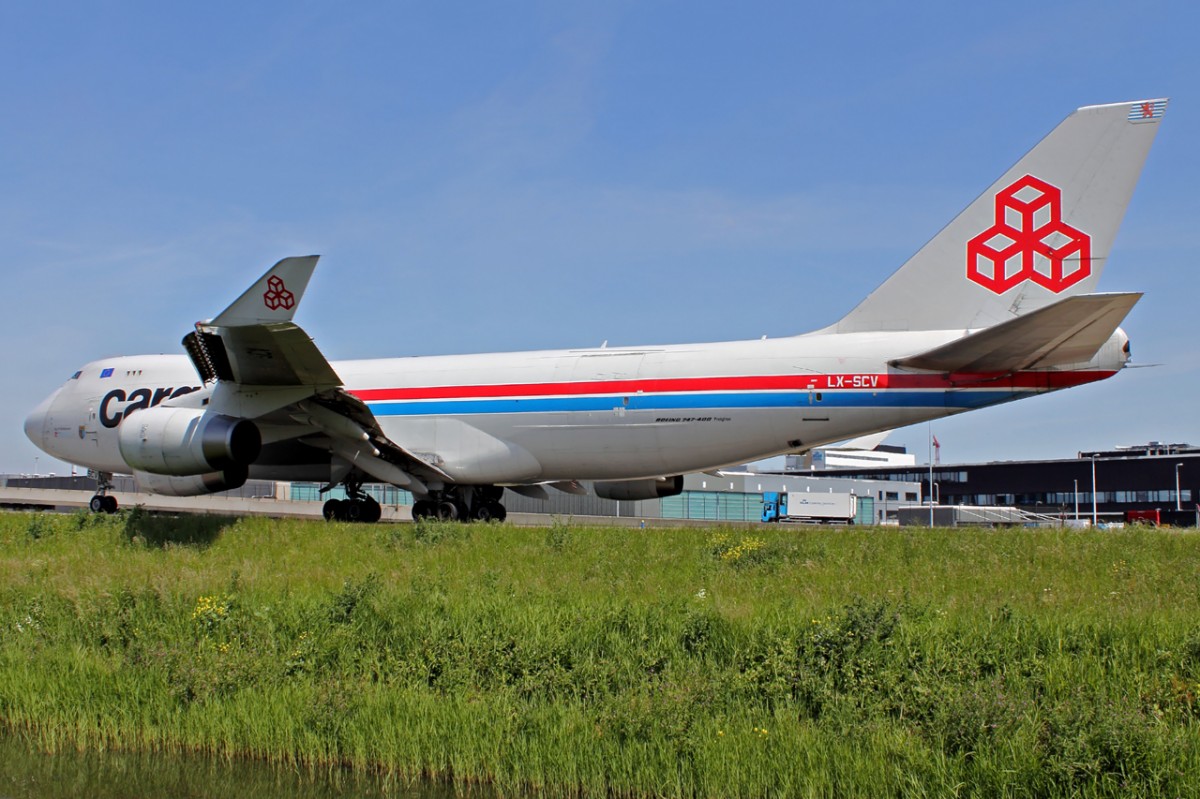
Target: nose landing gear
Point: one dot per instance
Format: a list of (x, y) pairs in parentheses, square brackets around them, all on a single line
[(103, 502)]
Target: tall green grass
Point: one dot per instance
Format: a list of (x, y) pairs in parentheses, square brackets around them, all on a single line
[(596, 661)]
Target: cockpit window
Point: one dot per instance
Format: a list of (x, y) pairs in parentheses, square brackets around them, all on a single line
[(76, 375)]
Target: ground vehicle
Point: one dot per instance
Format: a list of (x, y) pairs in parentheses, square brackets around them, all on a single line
[(1153, 517), (821, 508)]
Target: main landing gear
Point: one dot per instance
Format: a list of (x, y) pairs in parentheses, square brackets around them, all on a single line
[(359, 507), (462, 503), (454, 503), (103, 502)]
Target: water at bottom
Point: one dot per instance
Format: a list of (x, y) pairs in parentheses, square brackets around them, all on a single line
[(28, 773)]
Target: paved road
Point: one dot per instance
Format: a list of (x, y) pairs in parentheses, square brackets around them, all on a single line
[(67, 500)]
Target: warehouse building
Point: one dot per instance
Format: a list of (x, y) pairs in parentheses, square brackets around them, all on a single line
[(720, 496), (1152, 482), (734, 496)]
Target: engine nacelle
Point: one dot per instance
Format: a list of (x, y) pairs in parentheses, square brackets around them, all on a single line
[(653, 488), (186, 441), (192, 485)]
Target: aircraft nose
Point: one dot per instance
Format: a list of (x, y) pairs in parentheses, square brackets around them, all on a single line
[(35, 422)]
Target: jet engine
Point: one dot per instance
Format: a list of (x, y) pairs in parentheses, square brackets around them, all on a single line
[(187, 441), (192, 485), (653, 488)]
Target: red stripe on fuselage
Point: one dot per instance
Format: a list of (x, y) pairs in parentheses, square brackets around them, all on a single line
[(850, 382)]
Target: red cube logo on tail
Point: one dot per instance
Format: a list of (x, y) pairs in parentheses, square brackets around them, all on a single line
[(277, 296), (1029, 241)]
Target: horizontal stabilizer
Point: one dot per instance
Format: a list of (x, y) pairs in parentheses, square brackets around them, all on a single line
[(1069, 331)]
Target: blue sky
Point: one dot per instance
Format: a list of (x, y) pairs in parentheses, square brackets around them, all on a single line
[(486, 177)]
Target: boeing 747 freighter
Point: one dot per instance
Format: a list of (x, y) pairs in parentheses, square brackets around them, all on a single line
[(1000, 305)]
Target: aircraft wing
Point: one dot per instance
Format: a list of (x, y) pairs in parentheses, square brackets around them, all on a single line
[(1070, 331), (254, 341), (272, 370)]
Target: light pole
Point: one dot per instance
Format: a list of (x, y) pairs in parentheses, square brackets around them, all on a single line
[(1095, 515), (1178, 505), (930, 430)]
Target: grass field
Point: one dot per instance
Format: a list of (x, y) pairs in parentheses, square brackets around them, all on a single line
[(612, 661)]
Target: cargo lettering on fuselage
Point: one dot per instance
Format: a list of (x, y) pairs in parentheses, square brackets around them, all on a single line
[(138, 398)]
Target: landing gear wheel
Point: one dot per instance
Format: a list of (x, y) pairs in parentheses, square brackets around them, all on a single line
[(352, 510), (364, 509), (423, 509), (371, 511), (447, 511), (490, 512), (332, 510), (102, 502)]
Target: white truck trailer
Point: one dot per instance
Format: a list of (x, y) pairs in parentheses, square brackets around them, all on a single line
[(810, 507)]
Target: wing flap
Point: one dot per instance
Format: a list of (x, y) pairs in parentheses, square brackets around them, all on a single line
[(357, 411), (276, 354), (1069, 331)]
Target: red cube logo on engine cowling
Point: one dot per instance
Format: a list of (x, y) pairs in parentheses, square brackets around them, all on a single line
[(1029, 242), (277, 296)]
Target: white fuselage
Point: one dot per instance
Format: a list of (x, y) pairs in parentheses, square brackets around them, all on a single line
[(596, 414)]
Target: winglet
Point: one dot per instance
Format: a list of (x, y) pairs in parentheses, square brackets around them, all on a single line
[(273, 298)]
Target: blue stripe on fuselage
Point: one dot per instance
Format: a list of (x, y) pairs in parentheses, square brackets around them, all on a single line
[(672, 402)]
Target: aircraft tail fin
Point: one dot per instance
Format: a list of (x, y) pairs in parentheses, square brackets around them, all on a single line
[(1041, 232), (1071, 330)]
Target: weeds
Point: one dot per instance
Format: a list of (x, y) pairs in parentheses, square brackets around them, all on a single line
[(584, 661), (353, 594), (558, 536), (211, 612), (39, 527), (434, 531), (143, 528)]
